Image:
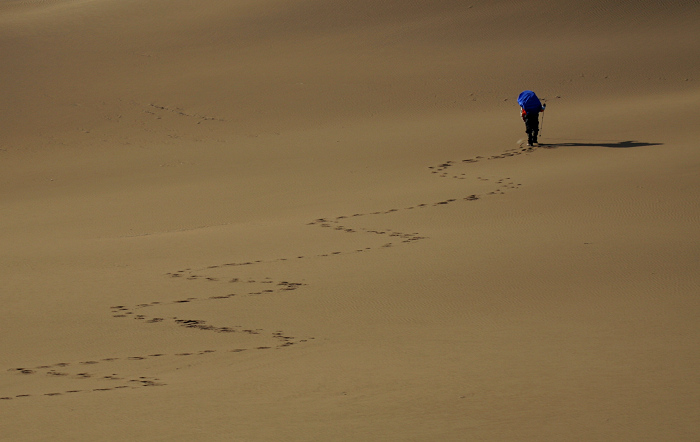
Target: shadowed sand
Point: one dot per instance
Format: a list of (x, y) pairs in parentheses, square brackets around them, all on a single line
[(305, 220)]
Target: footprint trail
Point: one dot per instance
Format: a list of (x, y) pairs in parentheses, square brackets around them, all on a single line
[(228, 285)]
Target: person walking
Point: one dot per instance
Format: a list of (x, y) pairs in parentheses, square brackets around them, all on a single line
[(530, 108)]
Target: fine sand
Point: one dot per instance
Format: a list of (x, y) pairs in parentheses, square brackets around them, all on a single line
[(307, 220)]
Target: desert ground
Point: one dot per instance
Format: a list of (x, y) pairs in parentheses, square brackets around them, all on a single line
[(307, 220)]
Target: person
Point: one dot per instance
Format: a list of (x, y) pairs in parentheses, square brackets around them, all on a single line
[(530, 108)]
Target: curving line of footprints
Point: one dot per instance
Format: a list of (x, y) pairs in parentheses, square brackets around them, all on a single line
[(121, 311), (114, 382)]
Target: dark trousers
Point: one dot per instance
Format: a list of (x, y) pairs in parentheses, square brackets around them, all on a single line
[(532, 126)]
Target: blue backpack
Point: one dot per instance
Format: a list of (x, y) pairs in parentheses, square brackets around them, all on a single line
[(529, 101)]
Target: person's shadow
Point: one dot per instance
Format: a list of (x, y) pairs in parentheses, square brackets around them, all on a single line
[(614, 145)]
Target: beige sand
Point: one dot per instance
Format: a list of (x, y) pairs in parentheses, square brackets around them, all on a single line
[(312, 221)]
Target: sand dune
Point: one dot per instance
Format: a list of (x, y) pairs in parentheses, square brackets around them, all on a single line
[(307, 220)]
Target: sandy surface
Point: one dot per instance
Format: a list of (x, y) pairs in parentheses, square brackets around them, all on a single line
[(315, 220)]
